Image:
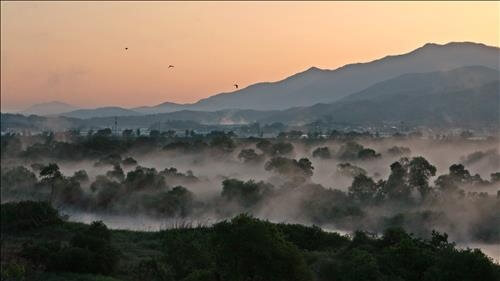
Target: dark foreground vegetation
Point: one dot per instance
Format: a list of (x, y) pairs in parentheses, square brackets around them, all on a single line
[(38, 244)]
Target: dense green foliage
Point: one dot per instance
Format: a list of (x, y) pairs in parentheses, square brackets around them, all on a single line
[(243, 248), (27, 215)]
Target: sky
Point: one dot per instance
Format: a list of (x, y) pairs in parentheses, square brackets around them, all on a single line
[(74, 52)]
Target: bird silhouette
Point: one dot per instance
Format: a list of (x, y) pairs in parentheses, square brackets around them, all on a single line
[(236, 86), (170, 66)]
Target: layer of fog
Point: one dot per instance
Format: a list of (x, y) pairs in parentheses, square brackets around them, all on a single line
[(211, 171)]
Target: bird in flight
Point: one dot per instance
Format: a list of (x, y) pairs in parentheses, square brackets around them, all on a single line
[(170, 66), (236, 86)]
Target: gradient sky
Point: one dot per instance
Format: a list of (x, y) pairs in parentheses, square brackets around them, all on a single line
[(74, 51)]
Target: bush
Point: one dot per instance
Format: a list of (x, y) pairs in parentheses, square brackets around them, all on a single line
[(28, 215), (89, 251), (187, 251), (13, 271), (152, 270), (250, 249)]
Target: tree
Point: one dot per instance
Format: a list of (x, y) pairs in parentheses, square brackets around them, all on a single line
[(322, 152), (363, 188), (177, 202), (81, 176), (144, 179), (129, 161), (495, 177), (108, 192), (349, 150), (104, 132), (116, 173), (249, 156), (264, 145), (223, 143), (50, 171), (306, 166), (287, 166), (456, 177), (51, 175), (420, 170), (399, 150), (281, 148), (347, 169), (397, 186), (367, 154), (247, 194), (17, 179)]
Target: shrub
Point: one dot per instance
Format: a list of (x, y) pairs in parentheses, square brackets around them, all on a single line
[(28, 215), (250, 249)]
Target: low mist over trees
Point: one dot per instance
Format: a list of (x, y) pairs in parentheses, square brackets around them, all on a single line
[(353, 182)]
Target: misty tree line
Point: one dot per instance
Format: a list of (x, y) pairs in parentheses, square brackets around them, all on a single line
[(412, 197), (407, 193)]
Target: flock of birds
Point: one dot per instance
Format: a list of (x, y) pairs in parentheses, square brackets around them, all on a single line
[(172, 66)]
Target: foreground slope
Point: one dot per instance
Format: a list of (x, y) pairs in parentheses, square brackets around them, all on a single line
[(38, 245)]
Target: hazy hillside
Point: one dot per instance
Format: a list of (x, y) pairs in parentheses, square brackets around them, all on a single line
[(110, 111), (464, 96), (226, 117), (160, 108), (34, 122), (415, 84), (49, 108)]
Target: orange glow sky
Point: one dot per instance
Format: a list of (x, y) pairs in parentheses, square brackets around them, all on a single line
[(74, 51)]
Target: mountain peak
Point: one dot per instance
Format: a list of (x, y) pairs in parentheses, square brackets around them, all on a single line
[(454, 44), (314, 68), (167, 103)]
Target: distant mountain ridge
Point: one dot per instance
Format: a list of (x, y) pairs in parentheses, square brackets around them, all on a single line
[(160, 108), (324, 86), (462, 97), (49, 108), (100, 112), (316, 85)]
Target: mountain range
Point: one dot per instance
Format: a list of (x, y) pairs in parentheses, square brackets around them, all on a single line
[(465, 96), (445, 84)]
